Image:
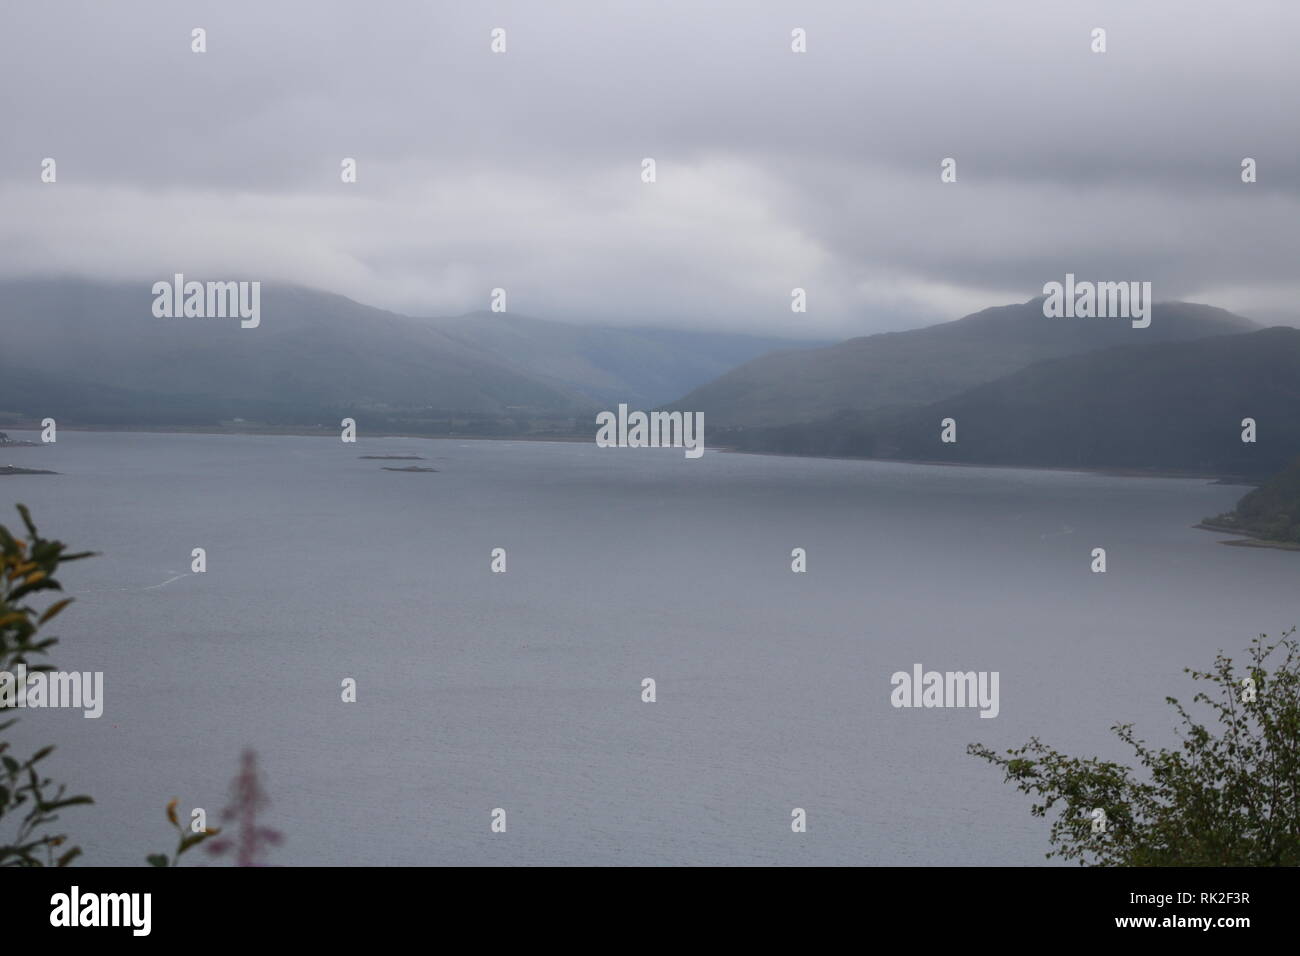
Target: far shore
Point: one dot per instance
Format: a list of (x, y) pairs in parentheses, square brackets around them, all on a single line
[(306, 432), (1211, 477), (1246, 539), (297, 431)]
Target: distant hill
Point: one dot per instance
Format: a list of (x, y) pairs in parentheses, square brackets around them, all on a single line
[(1172, 406), (1270, 512), (643, 367), (93, 353), (902, 369)]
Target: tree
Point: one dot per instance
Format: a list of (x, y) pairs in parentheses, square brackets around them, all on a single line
[(27, 566), (1228, 796)]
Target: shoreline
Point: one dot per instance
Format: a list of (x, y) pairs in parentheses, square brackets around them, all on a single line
[(1111, 472), (307, 432), (1246, 539), (1242, 539), (296, 431)]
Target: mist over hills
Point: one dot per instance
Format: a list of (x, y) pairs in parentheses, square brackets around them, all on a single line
[(898, 369), (642, 367), (70, 341), (93, 353), (1024, 389)]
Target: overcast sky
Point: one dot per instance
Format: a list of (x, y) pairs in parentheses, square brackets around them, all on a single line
[(775, 169)]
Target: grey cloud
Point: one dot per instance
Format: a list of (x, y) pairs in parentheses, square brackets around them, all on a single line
[(775, 170)]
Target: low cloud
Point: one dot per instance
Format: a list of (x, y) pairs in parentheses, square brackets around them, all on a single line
[(775, 170)]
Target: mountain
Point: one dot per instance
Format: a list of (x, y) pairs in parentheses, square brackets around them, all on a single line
[(643, 367), (900, 369), (1173, 406), (96, 352), (1271, 511), (93, 353)]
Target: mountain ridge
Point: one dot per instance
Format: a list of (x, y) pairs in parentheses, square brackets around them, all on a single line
[(94, 353), (913, 367), (1157, 407)]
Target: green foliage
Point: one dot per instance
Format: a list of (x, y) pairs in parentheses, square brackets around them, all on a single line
[(1271, 511), (1228, 796), (27, 567), (186, 839)]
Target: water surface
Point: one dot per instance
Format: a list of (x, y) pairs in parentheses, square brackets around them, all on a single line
[(523, 690)]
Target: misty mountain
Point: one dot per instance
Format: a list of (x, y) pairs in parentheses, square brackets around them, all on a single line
[(899, 369), (71, 344), (94, 353), (1172, 406), (643, 367)]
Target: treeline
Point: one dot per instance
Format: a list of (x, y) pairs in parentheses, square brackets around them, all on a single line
[(1271, 511)]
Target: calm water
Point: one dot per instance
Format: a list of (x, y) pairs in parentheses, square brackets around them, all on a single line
[(522, 690)]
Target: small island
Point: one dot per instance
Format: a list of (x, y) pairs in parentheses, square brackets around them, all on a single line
[(407, 468), (393, 457), (7, 442), (1268, 517), (15, 470)]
